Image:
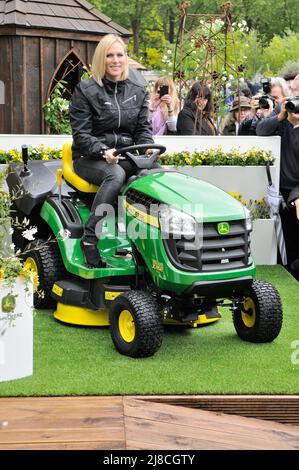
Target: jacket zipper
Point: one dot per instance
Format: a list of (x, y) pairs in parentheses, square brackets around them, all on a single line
[(115, 93), (131, 98)]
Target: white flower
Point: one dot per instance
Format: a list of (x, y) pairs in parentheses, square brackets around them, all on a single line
[(169, 51), (244, 22), (165, 57), (12, 246), (29, 233), (10, 230)]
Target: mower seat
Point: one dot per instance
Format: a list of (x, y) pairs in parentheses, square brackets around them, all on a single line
[(70, 176)]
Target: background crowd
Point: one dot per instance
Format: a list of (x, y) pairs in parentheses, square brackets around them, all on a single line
[(265, 109)]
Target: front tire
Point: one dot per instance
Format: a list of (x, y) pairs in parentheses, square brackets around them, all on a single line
[(136, 324), (259, 319)]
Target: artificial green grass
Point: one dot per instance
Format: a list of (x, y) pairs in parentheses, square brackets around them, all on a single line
[(70, 360)]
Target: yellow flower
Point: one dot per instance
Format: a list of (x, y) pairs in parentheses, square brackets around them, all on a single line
[(2, 274), (45, 157), (27, 272)]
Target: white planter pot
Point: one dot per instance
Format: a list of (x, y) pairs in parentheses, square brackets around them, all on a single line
[(16, 333), (264, 242), (250, 181)]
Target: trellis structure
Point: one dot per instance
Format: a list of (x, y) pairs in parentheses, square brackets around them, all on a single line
[(204, 47)]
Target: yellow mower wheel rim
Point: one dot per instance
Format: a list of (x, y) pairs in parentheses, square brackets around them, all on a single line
[(31, 266), (250, 317), (126, 326)]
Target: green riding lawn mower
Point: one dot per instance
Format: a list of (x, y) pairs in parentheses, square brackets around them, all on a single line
[(177, 250)]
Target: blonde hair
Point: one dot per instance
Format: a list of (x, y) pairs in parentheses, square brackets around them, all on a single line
[(98, 66), (172, 92)]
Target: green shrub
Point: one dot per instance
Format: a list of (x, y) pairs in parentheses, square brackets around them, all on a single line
[(35, 153), (216, 156)]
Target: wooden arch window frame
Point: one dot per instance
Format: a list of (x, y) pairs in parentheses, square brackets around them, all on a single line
[(67, 70)]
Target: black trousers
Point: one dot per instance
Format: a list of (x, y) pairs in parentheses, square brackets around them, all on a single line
[(290, 227), (110, 178)]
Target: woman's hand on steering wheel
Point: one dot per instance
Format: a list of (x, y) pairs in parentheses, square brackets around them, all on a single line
[(110, 158)]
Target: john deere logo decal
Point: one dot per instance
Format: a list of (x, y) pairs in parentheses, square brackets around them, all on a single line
[(223, 228)]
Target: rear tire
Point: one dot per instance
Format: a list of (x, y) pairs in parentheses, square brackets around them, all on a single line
[(259, 320), (136, 324), (44, 258)]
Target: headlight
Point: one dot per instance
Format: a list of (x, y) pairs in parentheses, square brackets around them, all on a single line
[(175, 222), (248, 220)]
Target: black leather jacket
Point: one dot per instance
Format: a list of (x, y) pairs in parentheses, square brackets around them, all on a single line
[(112, 116)]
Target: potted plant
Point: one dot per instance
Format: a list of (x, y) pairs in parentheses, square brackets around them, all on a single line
[(263, 236), (16, 300)]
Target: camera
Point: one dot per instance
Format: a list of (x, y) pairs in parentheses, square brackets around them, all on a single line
[(263, 100), (163, 90), (292, 105), (266, 84)]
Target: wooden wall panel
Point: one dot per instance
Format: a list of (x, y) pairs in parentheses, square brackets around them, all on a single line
[(32, 99), (91, 46), (48, 64), (5, 77), (62, 48), (19, 91), (80, 48)]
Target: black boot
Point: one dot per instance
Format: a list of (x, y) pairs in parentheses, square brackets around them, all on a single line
[(91, 255)]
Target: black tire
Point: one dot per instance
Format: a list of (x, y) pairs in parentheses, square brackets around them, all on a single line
[(146, 320), (261, 319), (50, 268)]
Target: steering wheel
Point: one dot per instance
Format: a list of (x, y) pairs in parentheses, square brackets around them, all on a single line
[(143, 161)]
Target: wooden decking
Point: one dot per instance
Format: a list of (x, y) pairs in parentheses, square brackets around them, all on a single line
[(132, 423)]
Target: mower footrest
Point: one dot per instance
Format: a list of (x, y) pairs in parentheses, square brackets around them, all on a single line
[(73, 292)]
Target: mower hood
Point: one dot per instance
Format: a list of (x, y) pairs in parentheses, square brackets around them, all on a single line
[(190, 195)]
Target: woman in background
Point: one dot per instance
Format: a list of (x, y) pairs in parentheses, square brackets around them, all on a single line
[(164, 107), (195, 117), (240, 112)]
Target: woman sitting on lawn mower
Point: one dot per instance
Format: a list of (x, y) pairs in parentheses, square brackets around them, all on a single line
[(107, 112)]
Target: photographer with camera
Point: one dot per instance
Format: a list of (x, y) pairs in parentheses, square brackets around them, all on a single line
[(274, 91), (284, 121), (164, 107)]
